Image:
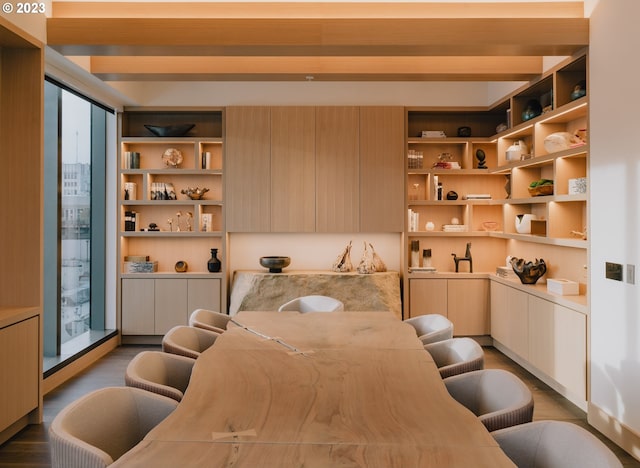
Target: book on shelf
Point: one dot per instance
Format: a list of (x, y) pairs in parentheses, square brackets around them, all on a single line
[(478, 196), (130, 220)]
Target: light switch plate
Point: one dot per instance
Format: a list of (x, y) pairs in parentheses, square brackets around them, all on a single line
[(631, 274), (613, 271)]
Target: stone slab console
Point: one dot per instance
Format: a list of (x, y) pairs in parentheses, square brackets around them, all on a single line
[(260, 290)]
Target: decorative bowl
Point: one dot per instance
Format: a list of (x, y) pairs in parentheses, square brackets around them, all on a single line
[(541, 190), (177, 130), (194, 193), (172, 157), (275, 264), (490, 225)]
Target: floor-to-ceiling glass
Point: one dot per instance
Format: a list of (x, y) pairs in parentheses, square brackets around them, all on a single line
[(75, 152)]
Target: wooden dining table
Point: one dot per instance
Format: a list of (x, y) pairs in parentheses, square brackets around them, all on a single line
[(338, 389)]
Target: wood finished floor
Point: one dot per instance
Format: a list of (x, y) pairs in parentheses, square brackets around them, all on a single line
[(30, 447)]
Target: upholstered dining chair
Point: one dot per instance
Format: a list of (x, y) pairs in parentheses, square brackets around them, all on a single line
[(162, 373), (431, 327), (209, 320), (188, 341), (313, 304), (498, 397), (554, 444), (456, 356), (96, 429)]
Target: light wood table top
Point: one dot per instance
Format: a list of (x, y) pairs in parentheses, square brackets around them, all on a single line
[(330, 389)]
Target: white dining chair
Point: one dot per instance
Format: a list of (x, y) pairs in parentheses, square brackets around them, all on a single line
[(98, 428), (188, 341), (554, 444), (312, 303), (456, 356), (431, 327), (209, 320), (497, 397), (159, 372)]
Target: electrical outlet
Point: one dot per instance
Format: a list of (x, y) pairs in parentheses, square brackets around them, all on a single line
[(631, 274)]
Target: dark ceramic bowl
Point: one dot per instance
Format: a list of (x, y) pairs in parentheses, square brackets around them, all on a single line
[(170, 130), (275, 264)]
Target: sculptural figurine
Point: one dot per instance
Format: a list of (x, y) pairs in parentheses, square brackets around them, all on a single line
[(528, 272), (466, 258), (481, 156)]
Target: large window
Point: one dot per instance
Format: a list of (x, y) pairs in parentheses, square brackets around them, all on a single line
[(74, 251)]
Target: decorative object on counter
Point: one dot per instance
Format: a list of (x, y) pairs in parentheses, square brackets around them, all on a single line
[(170, 223), (481, 157), (172, 158), (366, 265), (579, 90), (455, 220), (531, 110), (131, 160), (206, 220), (528, 271), (501, 127), (541, 187), (523, 223), (181, 266), (451, 195), (178, 215), (430, 226), (562, 286), (490, 225), (188, 220), (377, 261), (194, 193), (466, 258), (464, 132), (275, 264), (426, 261), (214, 263), (176, 130), (560, 141), (515, 151), (581, 234), (343, 262), (153, 227), (415, 254)]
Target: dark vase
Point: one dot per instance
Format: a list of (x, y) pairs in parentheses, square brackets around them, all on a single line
[(213, 265)]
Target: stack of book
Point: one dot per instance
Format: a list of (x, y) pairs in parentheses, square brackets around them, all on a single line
[(130, 220), (506, 272), (139, 264)]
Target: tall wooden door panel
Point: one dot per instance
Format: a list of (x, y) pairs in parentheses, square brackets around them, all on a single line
[(381, 169), (427, 296), (203, 294), (247, 169), (293, 172), (468, 301), (337, 169)]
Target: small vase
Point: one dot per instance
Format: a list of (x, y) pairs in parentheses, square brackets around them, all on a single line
[(213, 265)]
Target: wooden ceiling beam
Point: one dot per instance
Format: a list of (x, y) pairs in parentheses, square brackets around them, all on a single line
[(316, 37), (318, 68), (386, 10)]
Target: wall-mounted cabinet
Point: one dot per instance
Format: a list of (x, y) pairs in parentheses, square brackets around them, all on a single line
[(171, 205), (314, 169)]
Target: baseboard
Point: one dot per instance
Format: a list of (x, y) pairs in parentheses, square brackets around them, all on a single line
[(13, 429), (78, 365), (622, 435)]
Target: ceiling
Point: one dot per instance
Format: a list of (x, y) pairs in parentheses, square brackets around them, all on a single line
[(296, 41)]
